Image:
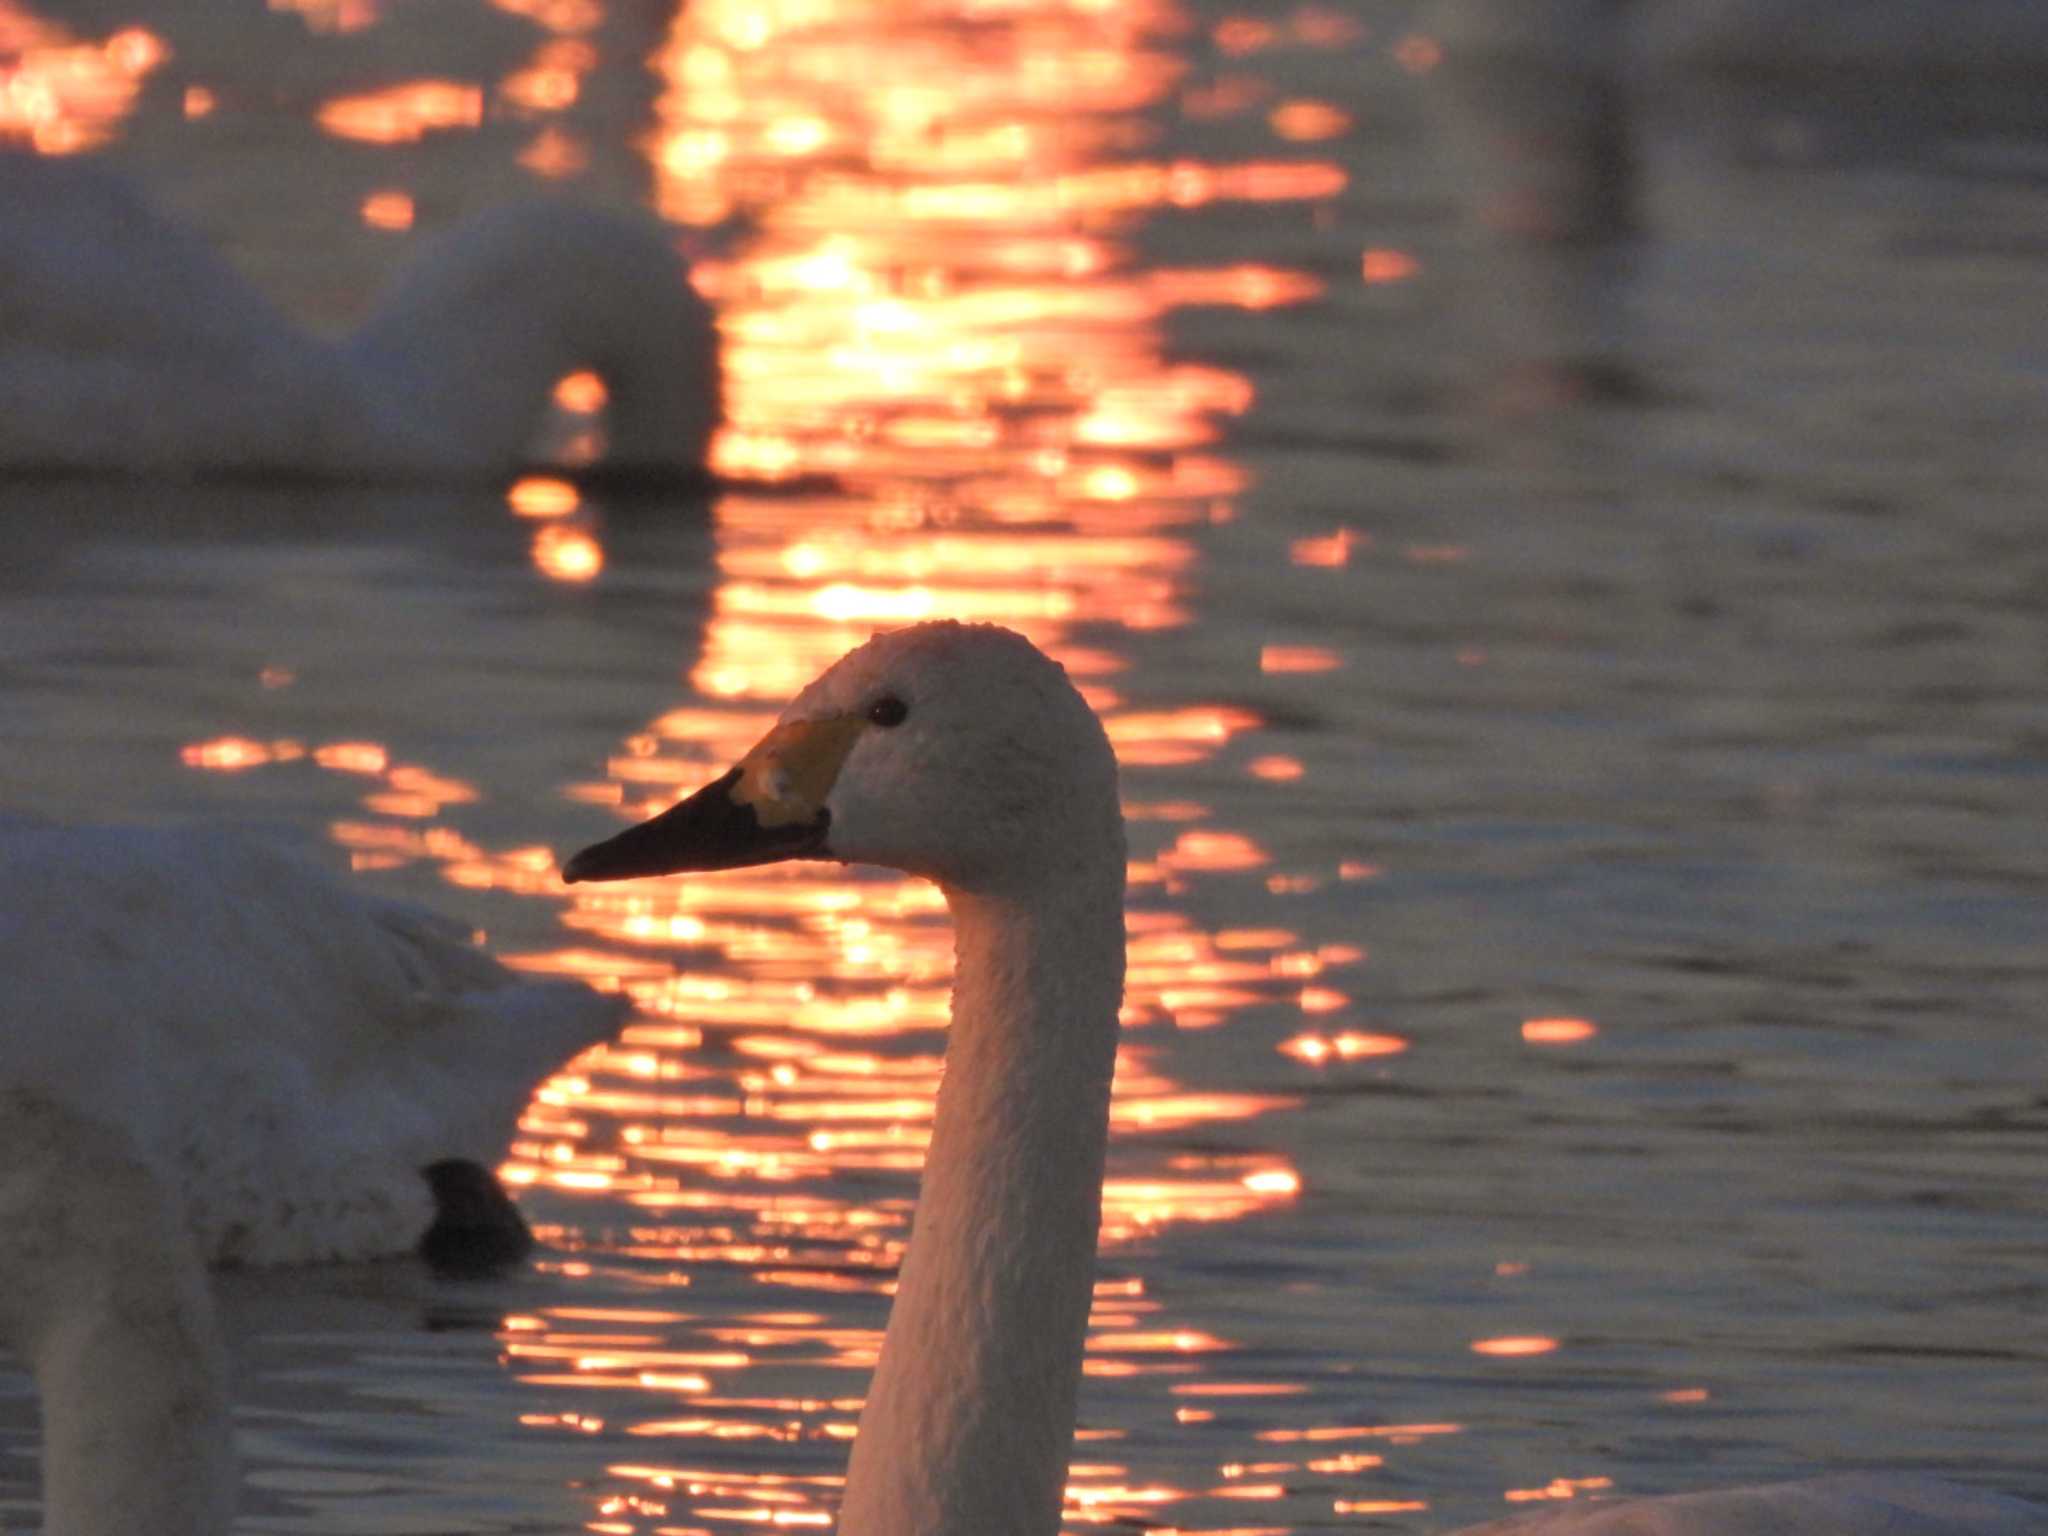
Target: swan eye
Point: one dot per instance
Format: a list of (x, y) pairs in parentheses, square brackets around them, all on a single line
[(888, 711)]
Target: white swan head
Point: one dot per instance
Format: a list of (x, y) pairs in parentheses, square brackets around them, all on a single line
[(958, 752)]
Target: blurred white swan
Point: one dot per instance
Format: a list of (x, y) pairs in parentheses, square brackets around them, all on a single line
[(290, 1051), (128, 345), (102, 1297), (961, 754)]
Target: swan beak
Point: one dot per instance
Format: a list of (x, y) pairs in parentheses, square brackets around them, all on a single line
[(771, 807)]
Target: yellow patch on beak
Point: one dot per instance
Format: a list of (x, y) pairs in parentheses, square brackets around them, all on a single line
[(792, 769)]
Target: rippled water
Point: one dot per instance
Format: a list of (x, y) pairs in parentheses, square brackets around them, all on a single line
[(1580, 692)]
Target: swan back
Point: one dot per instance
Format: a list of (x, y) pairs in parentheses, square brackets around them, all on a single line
[(126, 341), (102, 1294), (295, 1049)]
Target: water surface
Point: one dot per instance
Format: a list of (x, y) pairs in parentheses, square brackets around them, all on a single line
[(1562, 576)]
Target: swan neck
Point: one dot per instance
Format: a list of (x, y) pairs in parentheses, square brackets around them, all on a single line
[(454, 385), (462, 354), (968, 1424), (136, 1432)]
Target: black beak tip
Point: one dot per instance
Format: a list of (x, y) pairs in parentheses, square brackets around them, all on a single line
[(607, 860), (707, 831)]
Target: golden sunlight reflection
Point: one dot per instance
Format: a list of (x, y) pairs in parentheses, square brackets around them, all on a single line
[(562, 552), (1558, 1031), (388, 210), (937, 316), (340, 16), (60, 95), (938, 330), (402, 114)]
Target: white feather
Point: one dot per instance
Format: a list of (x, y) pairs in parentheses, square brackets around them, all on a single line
[(128, 344), (289, 1049)]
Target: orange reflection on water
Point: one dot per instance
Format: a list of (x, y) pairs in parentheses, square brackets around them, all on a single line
[(388, 210), (1298, 658), (939, 330), (1381, 264), (565, 553), (1329, 550), (1514, 1346), (543, 496), (554, 79), (1303, 121), (1317, 1050), (1321, 1433), (341, 16), (60, 95), (403, 114), (1558, 1031), (230, 754), (1558, 1488)]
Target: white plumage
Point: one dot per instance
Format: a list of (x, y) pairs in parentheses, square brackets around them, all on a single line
[(289, 1050), (962, 754), (127, 344), (103, 1298)]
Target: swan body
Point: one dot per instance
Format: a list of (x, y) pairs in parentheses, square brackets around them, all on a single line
[(1853, 1505), (961, 754), (102, 1296), (289, 1051), (127, 344)]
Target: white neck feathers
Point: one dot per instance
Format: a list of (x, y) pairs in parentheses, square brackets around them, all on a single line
[(969, 1421)]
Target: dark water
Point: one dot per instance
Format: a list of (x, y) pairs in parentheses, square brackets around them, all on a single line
[(1627, 606)]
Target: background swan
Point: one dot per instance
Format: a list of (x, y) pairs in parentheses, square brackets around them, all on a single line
[(102, 1296), (961, 754), (127, 344), (290, 1050)]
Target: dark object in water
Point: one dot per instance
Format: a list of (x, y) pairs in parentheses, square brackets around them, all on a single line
[(477, 1231)]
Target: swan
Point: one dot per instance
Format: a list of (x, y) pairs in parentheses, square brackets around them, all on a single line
[(292, 1052), (105, 1301), (103, 1297), (961, 754), (128, 345)]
